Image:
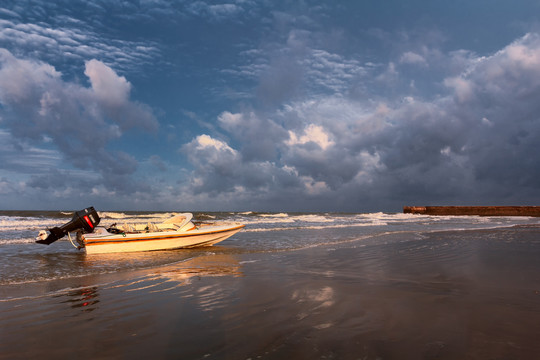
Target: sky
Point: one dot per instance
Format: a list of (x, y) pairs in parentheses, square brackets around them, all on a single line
[(244, 105)]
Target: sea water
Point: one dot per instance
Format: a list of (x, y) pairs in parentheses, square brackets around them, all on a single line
[(23, 261)]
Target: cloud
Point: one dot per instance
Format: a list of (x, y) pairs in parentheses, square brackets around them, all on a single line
[(215, 158), (463, 88), (256, 133), (157, 163), (223, 176), (475, 142), (63, 39), (39, 107), (410, 57), (108, 87), (217, 12), (303, 164), (312, 134), (25, 158), (332, 71), (297, 63)]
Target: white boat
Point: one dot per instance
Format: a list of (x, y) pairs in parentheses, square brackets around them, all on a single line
[(175, 233)]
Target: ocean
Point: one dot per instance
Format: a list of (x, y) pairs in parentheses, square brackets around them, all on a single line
[(290, 285)]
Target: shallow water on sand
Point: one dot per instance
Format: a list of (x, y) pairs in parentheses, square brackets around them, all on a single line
[(405, 291)]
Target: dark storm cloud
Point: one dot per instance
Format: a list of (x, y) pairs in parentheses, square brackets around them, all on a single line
[(258, 135), (220, 169), (478, 141)]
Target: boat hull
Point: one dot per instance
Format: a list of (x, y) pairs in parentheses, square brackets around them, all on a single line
[(163, 240)]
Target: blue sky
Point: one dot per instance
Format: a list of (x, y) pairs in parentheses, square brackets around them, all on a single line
[(268, 105)]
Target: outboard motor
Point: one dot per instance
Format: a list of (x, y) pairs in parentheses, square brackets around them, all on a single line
[(85, 220)]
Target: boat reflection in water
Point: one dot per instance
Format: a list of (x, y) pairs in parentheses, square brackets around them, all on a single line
[(133, 286), (210, 265), (175, 268), (85, 299)]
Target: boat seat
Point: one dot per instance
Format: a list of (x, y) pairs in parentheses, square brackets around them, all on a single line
[(165, 227), (152, 227), (180, 222), (127, 228)]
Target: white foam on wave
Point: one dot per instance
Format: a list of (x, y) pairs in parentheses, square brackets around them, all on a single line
[(391, 216), (264, 220), (313, 218), (111, 215), (280, 219), (13, 223), (278, 215), (315, 227), (17, 241)]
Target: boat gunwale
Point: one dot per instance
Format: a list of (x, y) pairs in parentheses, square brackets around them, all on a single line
[(122, 238)]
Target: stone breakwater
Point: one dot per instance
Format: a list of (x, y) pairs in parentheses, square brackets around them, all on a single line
[(474, 210)]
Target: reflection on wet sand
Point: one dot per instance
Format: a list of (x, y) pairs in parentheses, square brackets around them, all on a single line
[(168, 277), (441, 295), (171, 279), (84, 294), (85, 298), (213, 265)]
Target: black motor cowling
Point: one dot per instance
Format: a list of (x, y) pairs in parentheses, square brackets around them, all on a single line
[(85, 220)]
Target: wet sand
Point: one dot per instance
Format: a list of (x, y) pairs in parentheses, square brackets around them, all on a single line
[(445, 295)]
